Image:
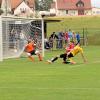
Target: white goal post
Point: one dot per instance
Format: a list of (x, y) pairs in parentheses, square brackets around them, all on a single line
[(14, 33), (1, 45)]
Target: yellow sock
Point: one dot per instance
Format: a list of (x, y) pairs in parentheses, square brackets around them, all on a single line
[(71, 60)]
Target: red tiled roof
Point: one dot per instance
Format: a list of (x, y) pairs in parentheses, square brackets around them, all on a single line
[(31, 3), (70, 4), (15, 3)]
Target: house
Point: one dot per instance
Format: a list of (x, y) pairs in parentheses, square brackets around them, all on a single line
[(23, 9), (95, 11), (71, 7), (18, 7)]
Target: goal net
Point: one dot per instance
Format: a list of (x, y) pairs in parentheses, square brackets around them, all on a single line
[(14, 33)]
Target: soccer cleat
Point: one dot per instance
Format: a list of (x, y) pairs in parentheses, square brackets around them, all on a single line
[(40, 60), (49, 61), (66, 62), (73, 62)]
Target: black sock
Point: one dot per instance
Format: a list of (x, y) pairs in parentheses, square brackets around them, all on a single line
[(64, 56), (54, 59)]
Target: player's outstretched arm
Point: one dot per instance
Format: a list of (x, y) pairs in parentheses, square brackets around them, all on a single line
[(84, 59)]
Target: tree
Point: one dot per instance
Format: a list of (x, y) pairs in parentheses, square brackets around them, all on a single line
[(36, 4), (43, 4), (1, 11)]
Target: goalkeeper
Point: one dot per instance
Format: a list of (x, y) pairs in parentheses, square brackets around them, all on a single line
[(67, 56), (30, 49)]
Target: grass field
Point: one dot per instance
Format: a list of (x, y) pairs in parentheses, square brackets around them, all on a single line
[(21, 79), (91, 23)]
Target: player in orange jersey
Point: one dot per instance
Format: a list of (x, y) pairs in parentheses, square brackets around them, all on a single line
[(30, 49)]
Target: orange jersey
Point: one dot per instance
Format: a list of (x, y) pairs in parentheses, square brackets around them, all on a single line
[(30, 47)]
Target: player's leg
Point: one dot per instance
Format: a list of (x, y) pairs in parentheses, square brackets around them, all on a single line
[(39, 55), (56, 58), (70, 55), (30, 56), (64, 56), (53, 59)]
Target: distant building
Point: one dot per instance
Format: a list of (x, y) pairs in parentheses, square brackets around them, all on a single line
[(71, 7), (95, 11), (18, 7), (23, 9)]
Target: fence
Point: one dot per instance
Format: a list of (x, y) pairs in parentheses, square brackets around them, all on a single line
[(88, 36), (57, 40)]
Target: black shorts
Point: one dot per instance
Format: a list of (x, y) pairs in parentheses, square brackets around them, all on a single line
[(63, 55), (70, 55), (32, 52)]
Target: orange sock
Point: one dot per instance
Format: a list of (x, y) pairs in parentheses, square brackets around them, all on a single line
[(31, 58), (40, 57)]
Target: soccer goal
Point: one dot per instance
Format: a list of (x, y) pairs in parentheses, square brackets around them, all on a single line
[(14, 33)]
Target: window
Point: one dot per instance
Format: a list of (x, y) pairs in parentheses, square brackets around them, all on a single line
[(23, 10), (66, 11), (80, 4)]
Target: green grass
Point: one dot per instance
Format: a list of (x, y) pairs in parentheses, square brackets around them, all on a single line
[(21, 79), (91, 23)]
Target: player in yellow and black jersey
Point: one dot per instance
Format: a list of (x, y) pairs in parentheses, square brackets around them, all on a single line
[(67, 56)]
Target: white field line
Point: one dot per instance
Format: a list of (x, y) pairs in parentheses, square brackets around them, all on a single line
[(37, 88)]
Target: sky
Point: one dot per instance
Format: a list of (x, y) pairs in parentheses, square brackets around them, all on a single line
[(95, 3)]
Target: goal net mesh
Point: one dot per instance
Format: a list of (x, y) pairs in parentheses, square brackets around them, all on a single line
[(16, 32)]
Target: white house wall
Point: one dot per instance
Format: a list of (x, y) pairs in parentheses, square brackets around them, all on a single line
[(87, 12), (73, 12), (95, 11), (53, 10), (23, 5), (61, 12), (70, 13)]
